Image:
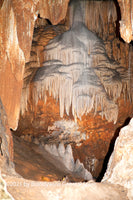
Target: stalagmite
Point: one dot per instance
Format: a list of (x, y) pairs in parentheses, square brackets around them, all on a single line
[(61, 149), (65, 156), (68, 158)]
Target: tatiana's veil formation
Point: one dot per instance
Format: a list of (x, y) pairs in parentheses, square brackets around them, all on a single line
[(78, 73)]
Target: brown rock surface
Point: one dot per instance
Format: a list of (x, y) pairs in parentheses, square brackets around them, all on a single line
[(16, 30), (55, 11), (126, 23), (93, 135), (11, 63)]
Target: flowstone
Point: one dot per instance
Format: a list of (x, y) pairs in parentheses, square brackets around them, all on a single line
[(76, 82), (78, 73)]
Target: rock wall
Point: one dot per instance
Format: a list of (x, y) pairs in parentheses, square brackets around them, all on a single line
[(16, 30), (91, 138), (105, 24), (55, 11)]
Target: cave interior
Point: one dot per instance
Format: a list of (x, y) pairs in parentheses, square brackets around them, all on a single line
[(76, 94)]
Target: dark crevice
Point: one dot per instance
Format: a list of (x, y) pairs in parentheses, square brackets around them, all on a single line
[(48, 21)]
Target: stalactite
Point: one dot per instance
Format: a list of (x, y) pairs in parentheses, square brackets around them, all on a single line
[(78, 79), (77, 72)]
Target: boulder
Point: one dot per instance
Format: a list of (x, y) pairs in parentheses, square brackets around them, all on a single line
[(120, 166)]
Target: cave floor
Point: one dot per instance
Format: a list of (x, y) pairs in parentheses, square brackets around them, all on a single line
[(22, 189), (34, 163), (40, 180), (30, 163)]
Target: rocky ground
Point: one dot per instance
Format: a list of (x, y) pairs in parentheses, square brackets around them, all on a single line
[(33, 162), (38, 179), (22, 189)]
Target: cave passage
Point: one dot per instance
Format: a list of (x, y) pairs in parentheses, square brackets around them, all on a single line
[(74, 96)]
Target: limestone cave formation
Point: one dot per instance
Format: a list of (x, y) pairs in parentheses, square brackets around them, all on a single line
[(66, 90)]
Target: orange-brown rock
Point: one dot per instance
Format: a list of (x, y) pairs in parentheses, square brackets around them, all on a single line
[(17, 22), (55, 11), (105, 25), (16, 30), (93, 134), (11, 63), (92, 138), (104, 15), (126, 22), (101, 136)]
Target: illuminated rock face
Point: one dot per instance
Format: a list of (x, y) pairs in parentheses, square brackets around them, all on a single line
[(120, 167), (126, 23), (16, 31), (3, 190)]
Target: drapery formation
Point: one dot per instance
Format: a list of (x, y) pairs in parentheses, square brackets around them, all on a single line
[(78, 73)]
